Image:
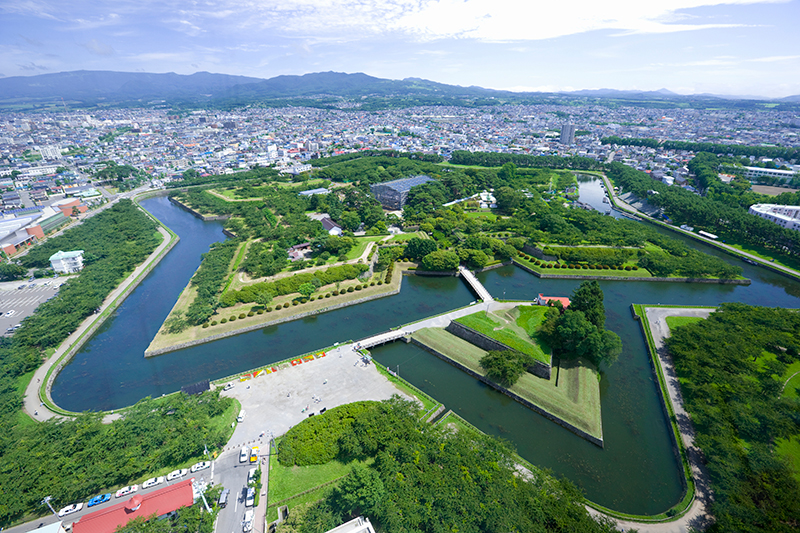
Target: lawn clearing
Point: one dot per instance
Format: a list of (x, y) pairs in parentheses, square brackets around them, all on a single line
[(572, 394), (678, 321), (403, 237), (503, 328)]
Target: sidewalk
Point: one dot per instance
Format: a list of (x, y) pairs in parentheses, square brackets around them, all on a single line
[(32, 403)]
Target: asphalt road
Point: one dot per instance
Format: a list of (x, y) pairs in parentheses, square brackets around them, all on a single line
[(232, 474)]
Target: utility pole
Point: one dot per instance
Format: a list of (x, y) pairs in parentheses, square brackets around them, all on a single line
[(47, 501)]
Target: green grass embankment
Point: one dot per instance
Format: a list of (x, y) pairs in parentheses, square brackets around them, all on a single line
[(572, 394), (503, 328)]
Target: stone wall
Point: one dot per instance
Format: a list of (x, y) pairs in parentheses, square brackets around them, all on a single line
[(487, 343), (204, 218), (105, 315), (625, 278), (532, 406), (261, 325), (538, 254)]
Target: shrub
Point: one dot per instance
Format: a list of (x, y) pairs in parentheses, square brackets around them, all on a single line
[(232, 318), (628, 268), (328, 295), (350, 289), (303, 300), (380, 282), (251, 313), (294, 302), (358, 287), (205, 325), (371, 283), (634, 267), (260, 312), (242, 315), (269, 309), (213, 322), (223, 321), (316, 441), (335, 292), (286, 305)]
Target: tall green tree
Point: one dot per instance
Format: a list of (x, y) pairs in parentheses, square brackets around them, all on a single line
[(588, 298)]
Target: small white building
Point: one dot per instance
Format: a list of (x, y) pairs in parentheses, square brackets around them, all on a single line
[(67, 262), (786, 216), (356, 525)]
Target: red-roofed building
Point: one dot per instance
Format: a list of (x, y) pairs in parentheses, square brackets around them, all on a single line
[(545, 300), (157, 503)]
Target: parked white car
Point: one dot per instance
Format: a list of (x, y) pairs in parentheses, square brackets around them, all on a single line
[(244, 454), (200, 466), (69, 509), (124, 491), (152, 482), (247, 523), (175, 474)]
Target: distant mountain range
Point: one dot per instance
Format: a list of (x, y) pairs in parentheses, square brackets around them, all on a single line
[(87, 89)]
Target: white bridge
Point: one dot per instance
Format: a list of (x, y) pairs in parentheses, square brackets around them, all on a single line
[(476, 285)]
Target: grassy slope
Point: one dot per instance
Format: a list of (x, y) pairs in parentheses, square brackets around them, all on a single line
[(575, 400), (504, 329), (678, 321)]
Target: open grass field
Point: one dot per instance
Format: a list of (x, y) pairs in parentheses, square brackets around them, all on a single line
[(403, 237), (503, 328), (571, 394), (361, 246), (486, 213), (678, 321)]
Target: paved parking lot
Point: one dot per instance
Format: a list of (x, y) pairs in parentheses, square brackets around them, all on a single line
[(16, 303), (276, 402)]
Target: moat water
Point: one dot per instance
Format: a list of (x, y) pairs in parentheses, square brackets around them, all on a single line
[(636, 472)]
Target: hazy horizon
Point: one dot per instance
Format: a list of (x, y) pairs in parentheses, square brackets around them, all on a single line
[(724, 47)]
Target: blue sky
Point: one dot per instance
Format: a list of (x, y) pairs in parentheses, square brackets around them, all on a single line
[(739, 47)]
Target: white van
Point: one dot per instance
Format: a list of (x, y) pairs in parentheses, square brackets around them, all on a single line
[(244, 454), (240, 418)]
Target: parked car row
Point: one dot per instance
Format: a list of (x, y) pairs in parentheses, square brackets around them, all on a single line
[(124, 491), (246, 455)]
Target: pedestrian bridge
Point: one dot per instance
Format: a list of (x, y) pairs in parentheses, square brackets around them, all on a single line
[(381, 338), (476, 285)]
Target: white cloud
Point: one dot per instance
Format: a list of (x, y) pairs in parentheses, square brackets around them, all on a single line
[(99, 48)]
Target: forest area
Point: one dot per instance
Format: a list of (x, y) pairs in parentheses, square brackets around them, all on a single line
[(411, 476), (733, 386), (73, 459)]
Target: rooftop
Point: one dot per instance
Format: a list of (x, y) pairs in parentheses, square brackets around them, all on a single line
[(405, 184)]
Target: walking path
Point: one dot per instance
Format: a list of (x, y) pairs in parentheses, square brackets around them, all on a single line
[(32, 403), (697, 518), (619, 203)]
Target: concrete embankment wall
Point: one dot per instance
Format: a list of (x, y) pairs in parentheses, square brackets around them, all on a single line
[(623, 278), (487, 343), (676, 446), (204, 218), (106, 315), (591, 438), (262, 325)]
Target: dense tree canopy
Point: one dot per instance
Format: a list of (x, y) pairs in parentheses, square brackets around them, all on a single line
[(430, 479), (506, 367), (574, 332), (730, 368)]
